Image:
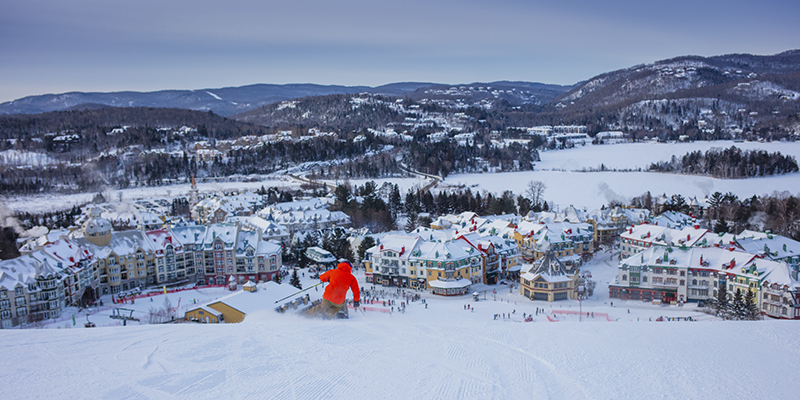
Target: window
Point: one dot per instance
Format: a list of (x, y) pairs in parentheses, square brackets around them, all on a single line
[(5, 304), (644, 279), (18, 291), (624, 277), (5, 314)]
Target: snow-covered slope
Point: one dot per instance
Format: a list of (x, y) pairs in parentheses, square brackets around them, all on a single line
[(442, 351), (419, 356)]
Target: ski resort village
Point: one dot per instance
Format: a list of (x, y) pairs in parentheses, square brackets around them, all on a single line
[(483, 293), (653, 258)]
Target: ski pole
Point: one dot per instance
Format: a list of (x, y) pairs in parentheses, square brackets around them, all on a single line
[(295, 294)]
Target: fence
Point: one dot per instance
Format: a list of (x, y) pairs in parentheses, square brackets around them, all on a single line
[(569, 312)]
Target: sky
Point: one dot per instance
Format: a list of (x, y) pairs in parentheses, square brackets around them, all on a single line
[(53, 46)]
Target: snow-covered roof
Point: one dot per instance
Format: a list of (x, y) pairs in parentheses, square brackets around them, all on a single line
[(225, 232), (190, 233), (774, 247), (688, 236), (262, 299), (450, 284)]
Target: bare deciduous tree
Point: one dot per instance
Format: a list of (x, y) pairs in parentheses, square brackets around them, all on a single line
[(535, 191)]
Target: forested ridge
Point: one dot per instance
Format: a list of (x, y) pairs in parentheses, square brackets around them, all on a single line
[(732, 162)]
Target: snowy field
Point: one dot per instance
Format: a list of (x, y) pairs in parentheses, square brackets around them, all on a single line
[(566, 185), (41, 203), (439, 352), (559, 170)]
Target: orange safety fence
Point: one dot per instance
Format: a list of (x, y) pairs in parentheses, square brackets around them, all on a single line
[(570, 312), (383, 310)]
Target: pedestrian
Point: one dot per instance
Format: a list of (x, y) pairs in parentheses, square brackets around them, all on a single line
[(629, 311), (333, 299)]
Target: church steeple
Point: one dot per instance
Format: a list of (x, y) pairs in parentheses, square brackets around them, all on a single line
[(193, 194)]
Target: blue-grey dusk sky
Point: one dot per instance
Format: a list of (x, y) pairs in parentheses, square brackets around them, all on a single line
[(56, 46)]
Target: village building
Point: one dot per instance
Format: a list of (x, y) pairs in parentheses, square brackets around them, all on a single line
[(690, 274), (320, 258), (30, 290), (638, 238), (549, 279), (304, 215)]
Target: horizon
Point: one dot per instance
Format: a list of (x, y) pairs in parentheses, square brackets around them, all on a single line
[(52, 47)]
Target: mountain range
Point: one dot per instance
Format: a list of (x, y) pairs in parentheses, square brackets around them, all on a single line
[(235, 100), (733, 93)]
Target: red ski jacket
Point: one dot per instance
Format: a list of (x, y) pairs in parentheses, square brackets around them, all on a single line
[(340, 280)]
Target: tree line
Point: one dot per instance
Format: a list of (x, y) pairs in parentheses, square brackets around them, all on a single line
[(729, 163)]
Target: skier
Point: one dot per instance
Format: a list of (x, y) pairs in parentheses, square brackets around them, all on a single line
[(333, 299)]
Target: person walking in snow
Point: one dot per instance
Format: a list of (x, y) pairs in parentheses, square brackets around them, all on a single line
[(333, 299)]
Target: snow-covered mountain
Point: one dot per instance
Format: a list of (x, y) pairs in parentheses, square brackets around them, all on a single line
[(223, 101)]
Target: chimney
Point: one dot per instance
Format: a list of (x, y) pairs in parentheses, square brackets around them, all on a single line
[(733, 263), (701, 259)]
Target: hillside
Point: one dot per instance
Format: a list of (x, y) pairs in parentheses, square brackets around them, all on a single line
[(223, 101), (741, 90), (99, 120), (440, 351)]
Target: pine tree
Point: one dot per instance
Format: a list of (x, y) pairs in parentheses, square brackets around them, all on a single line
[(720, 304), (366, 243), (738, 310), (721, 226), (750, 306), (295, 281)]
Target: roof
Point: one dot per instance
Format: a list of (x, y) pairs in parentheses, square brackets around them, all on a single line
[(548, 267), (190, 233), (451, 284), (225, 232), (775, 247), (262, 299)]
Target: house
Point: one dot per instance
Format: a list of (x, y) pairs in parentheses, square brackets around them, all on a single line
[(303, 215), (235, 307), (320, 257), (549, 279), (449, 267), (389, 262)]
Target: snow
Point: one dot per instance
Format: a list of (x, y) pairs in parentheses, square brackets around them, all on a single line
[(214, 95), (559, 170), (442, 351)]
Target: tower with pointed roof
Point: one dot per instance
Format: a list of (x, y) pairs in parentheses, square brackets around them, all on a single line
[(97, 229), (193, 194)]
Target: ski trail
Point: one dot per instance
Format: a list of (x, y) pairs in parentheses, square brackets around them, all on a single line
[(551, 369)]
